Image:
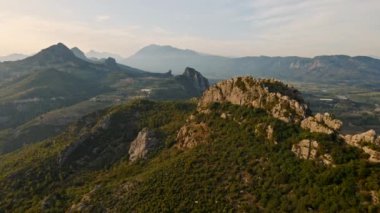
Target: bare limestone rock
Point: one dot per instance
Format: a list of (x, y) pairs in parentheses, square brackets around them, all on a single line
[(374, 156), (308, 150), (279, 100), (270, 132), (364, 141), (359, 139), (322, 123), (192, 134), (144, 143)]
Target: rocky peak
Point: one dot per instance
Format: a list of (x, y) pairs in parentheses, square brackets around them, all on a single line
[(279, 100), (57, 53), (196, 78), (145, 142), (193, 81)]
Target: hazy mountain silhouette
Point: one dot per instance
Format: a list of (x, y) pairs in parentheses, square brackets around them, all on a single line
[(321, 68)]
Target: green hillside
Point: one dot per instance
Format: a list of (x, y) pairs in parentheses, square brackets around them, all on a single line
[(238, 169)]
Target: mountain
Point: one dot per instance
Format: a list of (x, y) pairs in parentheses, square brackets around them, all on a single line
[(34, 92), (12, 57), (163, 58), (247, 145), (335, 68)]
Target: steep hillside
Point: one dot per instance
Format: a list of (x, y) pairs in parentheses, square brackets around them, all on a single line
[(247, 145)]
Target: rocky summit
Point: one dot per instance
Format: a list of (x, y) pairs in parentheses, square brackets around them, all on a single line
[(281, 101)]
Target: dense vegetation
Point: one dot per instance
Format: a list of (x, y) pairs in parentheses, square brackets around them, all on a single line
[(239, 169)]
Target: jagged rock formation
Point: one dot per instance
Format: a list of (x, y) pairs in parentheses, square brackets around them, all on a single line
[(199, 82), (145, 142), (359, 140), (368, 142), (322, 123), (279, 100), (192, 134), (193, 80), (308, 150)]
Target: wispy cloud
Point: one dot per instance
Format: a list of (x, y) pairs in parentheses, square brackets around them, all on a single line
[(101, 18), (226, 27)]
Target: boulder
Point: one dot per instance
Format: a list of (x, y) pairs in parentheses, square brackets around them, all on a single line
[(145, 143)]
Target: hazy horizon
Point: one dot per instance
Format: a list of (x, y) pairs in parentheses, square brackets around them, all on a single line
[(223, 27)]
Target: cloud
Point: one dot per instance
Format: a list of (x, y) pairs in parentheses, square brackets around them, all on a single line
[(102, 18), (247, 27)]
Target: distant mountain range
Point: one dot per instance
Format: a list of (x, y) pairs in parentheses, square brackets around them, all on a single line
[(331, 69), (334, 68), (58, 77)]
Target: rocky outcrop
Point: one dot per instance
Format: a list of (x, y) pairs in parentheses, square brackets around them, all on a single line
[(145, 143), (359, 140), (279, 100), (198, 81), (308, 150), (322, 123), (368, 141), (192, 134), (193, 82)]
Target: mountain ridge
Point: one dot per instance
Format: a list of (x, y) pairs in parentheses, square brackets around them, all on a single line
[(285, 67)]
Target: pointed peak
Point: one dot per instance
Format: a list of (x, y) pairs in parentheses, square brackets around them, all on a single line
[(57, 53), (57, 49)]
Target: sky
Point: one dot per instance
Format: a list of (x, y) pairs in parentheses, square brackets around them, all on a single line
[(221, 27)]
